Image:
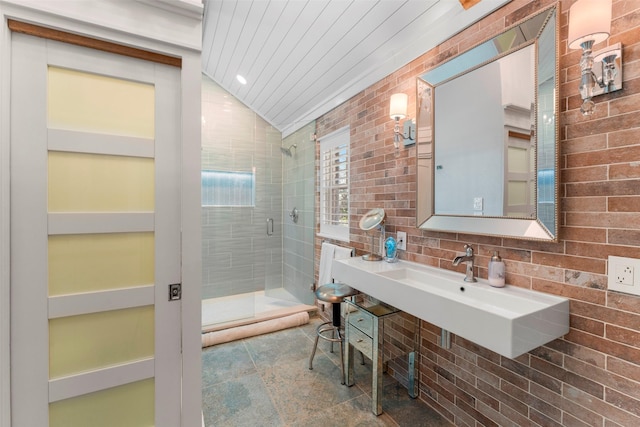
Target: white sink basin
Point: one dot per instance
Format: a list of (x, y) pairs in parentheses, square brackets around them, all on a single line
[(510, 321)]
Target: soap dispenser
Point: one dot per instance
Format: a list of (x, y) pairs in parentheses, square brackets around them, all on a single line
[(496, 271)]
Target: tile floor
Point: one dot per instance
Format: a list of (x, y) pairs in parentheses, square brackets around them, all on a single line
[(265, 381)]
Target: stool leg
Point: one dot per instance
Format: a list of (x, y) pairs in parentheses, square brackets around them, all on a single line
[(341, 342), (313, 353), (333, 336)]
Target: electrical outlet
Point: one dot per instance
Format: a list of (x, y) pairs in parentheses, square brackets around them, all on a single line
[(622, 275), (402, 240)]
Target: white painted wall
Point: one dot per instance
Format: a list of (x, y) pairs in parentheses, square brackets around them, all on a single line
[(170, 27), (516, 69)]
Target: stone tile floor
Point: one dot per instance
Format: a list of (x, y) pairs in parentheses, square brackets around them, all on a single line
[(265, 381)]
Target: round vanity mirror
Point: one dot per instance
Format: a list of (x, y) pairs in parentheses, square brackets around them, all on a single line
[(371, 220)]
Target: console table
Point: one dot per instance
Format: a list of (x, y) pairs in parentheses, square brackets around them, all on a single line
[(364, 331)]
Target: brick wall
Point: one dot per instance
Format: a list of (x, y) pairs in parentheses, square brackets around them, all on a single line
[(590, 377)]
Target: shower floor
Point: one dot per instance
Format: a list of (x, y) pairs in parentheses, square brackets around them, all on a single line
[(237, 310)]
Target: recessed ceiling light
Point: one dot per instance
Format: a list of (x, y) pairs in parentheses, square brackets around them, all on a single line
[(241, 79)]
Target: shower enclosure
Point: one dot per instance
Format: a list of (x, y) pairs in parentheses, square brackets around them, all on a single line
[(255, 257)]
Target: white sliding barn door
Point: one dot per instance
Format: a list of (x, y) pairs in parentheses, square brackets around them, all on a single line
[(95, 238)]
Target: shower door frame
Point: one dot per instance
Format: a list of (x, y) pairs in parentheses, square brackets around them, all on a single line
[(297, 266)]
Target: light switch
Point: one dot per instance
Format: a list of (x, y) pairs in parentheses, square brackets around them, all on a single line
[(477, 203)]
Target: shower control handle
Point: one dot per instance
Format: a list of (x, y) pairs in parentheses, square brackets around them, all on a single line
[(269, 226), (294, 215)]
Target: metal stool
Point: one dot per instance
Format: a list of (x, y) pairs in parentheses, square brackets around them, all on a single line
[(334, 293)]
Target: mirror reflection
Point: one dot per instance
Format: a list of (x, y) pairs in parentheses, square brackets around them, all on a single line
[(486, 145), (494, 144)]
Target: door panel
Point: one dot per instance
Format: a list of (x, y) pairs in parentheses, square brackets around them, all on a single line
[(134, 402), (81, 182), (94, 262), (519, 178), (98, 340), (95, 238), (125, 107)]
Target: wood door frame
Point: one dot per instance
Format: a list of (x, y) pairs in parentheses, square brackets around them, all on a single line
[(181, 39)]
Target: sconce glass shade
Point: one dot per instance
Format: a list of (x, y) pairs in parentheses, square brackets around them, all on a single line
[(398, 107), (589, 20)]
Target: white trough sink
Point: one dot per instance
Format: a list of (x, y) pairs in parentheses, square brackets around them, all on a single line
[(510, 321)]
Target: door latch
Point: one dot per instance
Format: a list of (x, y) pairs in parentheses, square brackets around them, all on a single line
[(175, 292)]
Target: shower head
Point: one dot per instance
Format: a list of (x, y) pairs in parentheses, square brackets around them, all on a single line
[(287, 151)]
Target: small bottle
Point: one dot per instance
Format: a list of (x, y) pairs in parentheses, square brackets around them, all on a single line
[(496, 271)]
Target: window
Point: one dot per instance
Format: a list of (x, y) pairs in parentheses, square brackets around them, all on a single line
[(228, 188), (334, 185)]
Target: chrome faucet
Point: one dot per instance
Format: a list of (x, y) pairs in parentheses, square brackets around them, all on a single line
[(468, 258)]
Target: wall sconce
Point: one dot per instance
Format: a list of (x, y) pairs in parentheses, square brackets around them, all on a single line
[(601, 72), (398, 111)]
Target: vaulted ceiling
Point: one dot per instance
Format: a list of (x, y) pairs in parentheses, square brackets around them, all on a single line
[(302, 58)]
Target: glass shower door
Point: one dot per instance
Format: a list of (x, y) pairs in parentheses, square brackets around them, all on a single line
[(292, 280)]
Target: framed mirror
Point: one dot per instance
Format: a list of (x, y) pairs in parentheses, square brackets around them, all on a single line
[(487, 136)]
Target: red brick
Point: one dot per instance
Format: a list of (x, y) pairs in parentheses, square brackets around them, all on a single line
[(584, 204), (577, 293), (596, 173), (565, 261), (606, 346), (601, 376), (587, 325), (607, 315), (623, 335), (624, 368), (624, 237), (624, 204)]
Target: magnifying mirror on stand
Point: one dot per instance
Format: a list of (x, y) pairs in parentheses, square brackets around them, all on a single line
[(371, 220)]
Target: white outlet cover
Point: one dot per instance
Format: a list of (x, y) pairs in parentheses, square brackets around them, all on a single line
[(401, 237), (619, 275)]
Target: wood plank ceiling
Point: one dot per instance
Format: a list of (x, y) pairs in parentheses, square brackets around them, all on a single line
[(302, 58)]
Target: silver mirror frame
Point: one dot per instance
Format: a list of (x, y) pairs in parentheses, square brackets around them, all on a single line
[(521, 228)]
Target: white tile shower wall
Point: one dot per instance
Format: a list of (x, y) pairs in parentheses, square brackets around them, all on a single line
[(234, 240), (298, 192)]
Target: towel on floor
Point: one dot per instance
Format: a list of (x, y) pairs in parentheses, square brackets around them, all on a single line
[(258, 328)]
